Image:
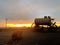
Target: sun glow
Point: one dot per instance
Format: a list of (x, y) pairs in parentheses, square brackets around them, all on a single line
[(58, 24), (18, 25), (24, 25)]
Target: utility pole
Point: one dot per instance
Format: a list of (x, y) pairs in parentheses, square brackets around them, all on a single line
[(6, 23)]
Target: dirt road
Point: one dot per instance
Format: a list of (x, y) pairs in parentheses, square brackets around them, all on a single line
[(31, 38)]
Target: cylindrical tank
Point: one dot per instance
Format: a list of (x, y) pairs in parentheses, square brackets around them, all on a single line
[(42, 21)]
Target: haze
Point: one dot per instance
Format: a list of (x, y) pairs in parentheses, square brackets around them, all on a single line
[(24, 11)]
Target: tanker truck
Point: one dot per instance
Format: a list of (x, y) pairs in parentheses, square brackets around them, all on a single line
[(45, 24)]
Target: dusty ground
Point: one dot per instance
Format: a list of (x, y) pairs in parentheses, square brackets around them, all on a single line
[(29, 37)]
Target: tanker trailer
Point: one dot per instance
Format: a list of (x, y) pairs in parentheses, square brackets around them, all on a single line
[(44, 21)]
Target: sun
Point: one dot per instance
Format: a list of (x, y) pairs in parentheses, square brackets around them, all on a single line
[(23, 25), (19, 25)]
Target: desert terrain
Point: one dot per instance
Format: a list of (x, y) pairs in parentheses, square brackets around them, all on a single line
[(28, 37)]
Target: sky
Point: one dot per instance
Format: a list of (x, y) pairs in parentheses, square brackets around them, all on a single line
[(22, 11)]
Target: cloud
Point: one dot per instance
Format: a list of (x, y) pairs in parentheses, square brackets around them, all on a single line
[(28, 9), (18, 11)]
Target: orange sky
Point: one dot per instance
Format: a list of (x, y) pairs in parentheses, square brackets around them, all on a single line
[(20, 24), (26, 24), (16, 24)]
